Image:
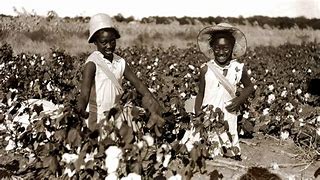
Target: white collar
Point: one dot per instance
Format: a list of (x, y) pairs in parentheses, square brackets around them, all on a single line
[(116, 58), (225, 67)]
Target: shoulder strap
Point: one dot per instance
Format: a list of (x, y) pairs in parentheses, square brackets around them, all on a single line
[(98, 61), (224, 81)]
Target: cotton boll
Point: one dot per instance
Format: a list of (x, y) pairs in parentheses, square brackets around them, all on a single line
[(307, 95), (249, 72), (11, 145), (271, 87), (148, 139), (138, 74), (176, 177), (140, 144), (289, 107), (293, 70), (275, 166), (183, 95), (49, 134), (114, 152), (299, 91), (112, 164), (265, 111), (69, 158), (271, 98), (191, 67), (284, 93), (246, 114), (166, 160), (284, 135), (113, 157), (188, 75), (165, 147), (90, 156), (152, 90)]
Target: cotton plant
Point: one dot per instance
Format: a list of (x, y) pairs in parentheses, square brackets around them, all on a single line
[(113, 156)]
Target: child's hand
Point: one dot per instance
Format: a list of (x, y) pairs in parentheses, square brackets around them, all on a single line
[(156, 122), (235, 104), (148, 102), (82, 113)]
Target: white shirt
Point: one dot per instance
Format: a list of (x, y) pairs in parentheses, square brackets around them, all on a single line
[(104, 94), (215, 94)]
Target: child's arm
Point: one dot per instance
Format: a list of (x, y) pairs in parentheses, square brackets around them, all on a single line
[(149, 101), (87, 80), (200, 95), (247, 90)]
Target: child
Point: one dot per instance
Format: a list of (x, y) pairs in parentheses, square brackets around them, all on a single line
[(223, 44), (102, 75)]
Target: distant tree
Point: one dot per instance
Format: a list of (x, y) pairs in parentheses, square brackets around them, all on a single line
[(129, 19), (241, 20), (302, 22), (315, 23), (51, 15), (119, 17)]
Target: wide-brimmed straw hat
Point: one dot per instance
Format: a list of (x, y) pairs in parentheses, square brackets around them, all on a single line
[(206, 33), (100, 21)]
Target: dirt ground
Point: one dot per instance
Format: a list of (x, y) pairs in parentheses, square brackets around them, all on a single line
[(283, 158)]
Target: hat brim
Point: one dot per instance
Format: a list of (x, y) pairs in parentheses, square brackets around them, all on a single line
[(206, 33), (90, 39)]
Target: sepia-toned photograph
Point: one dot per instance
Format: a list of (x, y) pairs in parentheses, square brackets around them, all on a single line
[(160, 90)]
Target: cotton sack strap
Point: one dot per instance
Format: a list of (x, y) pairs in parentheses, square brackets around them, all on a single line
[(224, 81), (107, 71)]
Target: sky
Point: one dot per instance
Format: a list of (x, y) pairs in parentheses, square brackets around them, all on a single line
[(179, 8)]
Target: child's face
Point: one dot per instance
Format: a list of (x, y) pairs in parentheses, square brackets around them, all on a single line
[(222, 48), (105, 40)]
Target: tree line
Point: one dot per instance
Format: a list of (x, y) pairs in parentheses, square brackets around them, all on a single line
[(262, 21)]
